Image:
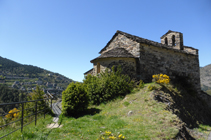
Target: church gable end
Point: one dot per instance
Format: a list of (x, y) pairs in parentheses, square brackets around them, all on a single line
[(122, 41)]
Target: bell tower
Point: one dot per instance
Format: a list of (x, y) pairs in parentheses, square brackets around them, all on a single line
[(173, 39)]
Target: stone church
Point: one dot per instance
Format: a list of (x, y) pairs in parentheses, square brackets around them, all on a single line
[(141, 58)]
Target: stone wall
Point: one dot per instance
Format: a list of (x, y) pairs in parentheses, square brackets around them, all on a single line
[(206, 97), (154, 60), (128, 65), (128, 44), (190, 50), (178, 40)]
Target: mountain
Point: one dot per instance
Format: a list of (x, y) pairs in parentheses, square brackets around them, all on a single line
[(205, 76), (26, 77)]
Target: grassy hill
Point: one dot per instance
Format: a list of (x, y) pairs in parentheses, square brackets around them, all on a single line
[(205, 75), (167, 112), (11, 71)]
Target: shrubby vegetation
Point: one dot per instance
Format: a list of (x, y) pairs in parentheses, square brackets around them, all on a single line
[(74, 99), (29, 109), (107, 86), (35, 95), (9, 95), (98, 89), (102, 88), (161, 78), (13, 114), (151, 87), (141, 84)]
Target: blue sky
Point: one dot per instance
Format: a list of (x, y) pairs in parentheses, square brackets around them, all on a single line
[(64, 35)]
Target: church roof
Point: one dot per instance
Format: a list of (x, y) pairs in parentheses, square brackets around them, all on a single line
[(115, 53), (145, 41), (169, 31), (88, 72)]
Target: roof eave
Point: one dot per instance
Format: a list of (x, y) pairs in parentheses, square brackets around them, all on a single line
[(88, 71), (169, 31), (92, 61)]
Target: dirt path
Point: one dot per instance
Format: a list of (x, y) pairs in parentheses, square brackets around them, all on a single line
[(56, 107)]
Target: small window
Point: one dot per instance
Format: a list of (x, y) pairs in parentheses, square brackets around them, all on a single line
[(166, 41), (173, 40), (98, 67)]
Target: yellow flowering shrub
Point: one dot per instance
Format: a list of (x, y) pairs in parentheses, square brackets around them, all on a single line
[(110, 136), (14, 113), (161, 78)]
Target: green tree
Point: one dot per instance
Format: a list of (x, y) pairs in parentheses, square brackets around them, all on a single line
[(36, 95), (8, 95)]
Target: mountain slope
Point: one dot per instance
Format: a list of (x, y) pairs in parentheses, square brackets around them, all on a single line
[(11, 71), (16, 68), (205, 76)]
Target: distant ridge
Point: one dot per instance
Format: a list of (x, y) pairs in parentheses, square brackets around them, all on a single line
[(205, 76), (10, 69)]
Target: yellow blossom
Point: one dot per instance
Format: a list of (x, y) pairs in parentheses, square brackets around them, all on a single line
[(120, 136), (161, 78), (112, 137), (107, 132)]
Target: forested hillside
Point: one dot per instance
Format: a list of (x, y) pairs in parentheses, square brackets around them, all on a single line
[(29, 76), (8, 95)]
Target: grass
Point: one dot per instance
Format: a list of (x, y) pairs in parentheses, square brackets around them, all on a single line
[(38, 132), (147, 120)]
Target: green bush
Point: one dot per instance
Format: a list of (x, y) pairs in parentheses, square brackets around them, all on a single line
[(93, 88), (151, 87), (107, 85), (74, 99), (141, 84)]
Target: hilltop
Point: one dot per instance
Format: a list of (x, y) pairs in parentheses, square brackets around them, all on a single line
[(205, 76), (26, 77), (161, 112)]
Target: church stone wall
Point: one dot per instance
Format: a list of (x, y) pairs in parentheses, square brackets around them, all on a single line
[(128, 65), (190, 50), (154, 60), (178, 44), (128, 44)]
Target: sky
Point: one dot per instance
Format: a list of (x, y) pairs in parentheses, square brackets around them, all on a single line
[(64, 35)]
